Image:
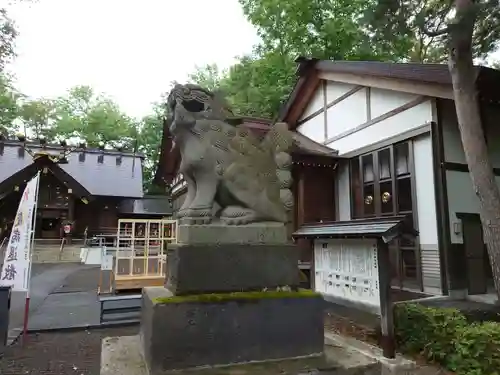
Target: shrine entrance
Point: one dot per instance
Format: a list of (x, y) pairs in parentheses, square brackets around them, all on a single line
[(49, 223)]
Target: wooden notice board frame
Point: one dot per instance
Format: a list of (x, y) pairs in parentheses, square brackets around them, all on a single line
[(140, 254)]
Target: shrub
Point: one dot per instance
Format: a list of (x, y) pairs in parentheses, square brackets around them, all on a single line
[(445, 336), (477, 349), (426, 330)]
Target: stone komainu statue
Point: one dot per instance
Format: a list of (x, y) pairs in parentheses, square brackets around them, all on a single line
[(230, 173)]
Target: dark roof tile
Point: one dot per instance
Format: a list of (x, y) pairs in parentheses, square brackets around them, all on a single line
[(105, 179)]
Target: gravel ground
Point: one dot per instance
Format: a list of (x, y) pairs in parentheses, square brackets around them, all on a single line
[(60, 353), (78, 353)]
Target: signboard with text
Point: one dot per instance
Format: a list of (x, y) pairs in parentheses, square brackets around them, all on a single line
[(17, 258)]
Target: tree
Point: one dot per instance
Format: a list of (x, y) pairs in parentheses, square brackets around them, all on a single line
[(472, 29), (255, 86), (95, 118), (325, 29), (208, 76), (7, 37), (149, 141), (38, 117), (9, 105)]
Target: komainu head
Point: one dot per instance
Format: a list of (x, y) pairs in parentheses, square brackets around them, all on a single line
[(197, 103)]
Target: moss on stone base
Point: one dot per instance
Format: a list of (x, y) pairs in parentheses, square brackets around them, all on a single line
[(236, 296)]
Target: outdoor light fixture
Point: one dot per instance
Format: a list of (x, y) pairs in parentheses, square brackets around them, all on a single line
[(42, 139), (82, 144), (63, 143), (101, 145), (21, 137), (119, 147), (2, 137)]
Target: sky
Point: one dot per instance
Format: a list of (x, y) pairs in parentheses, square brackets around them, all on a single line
[(130, 49)]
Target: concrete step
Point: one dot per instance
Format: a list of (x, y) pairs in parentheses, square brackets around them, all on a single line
[(42, 254)]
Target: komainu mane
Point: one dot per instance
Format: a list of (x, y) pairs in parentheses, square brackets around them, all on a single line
[(230, 173)]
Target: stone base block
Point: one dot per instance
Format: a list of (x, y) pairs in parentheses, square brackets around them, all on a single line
[(197, 269), (122, 356), (217, 233), (220, 329)]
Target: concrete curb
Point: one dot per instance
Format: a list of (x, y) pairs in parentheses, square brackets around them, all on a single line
[(399, 365), (123, 323)]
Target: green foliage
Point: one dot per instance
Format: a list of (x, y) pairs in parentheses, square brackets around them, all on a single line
[(237, 296), (8, 35), (257, 85), (9, 106), (427, 330), (326, 29), (445, 336), (38, 116), (84, 114), (477, 349), (208, 76), (422, 20), (149, 142)]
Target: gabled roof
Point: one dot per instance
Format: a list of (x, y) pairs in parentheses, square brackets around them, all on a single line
[(40, 163), (121, 178), (487, 79)]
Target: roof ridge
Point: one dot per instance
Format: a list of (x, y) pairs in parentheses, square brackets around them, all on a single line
[(54, 147)]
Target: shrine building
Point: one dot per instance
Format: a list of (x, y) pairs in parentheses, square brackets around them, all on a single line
[(88, 189)]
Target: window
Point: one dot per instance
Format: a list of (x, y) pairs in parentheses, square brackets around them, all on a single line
[(381, 185)]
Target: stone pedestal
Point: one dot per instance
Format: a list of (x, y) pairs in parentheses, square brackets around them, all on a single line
[(231, 296), (215, 234), (206, 330), (193, 269)]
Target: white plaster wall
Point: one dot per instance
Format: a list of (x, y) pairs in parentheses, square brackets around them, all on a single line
[(426, 212), (352, 112), (315, 103), (314, 129), (391, 127), (344, 197), (424, 187), (461, 195), (335, 90), (347, 114), (383, 101)]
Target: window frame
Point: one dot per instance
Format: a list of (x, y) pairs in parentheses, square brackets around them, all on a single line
[(358, 207)]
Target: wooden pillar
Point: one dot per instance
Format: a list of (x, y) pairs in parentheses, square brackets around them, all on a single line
[(388, 341), (71, 218)]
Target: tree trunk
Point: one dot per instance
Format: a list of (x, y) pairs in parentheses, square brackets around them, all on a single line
[(467, 104)]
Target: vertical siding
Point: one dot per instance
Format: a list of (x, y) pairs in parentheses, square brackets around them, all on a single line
[(431, 274)]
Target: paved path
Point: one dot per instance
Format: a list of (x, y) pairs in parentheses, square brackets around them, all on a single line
[(43, 305), (63, 310)]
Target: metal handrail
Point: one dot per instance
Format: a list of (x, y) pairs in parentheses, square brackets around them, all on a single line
[(61, 248)]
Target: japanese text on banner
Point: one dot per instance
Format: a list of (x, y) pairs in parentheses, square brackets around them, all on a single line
[(15, 270)]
